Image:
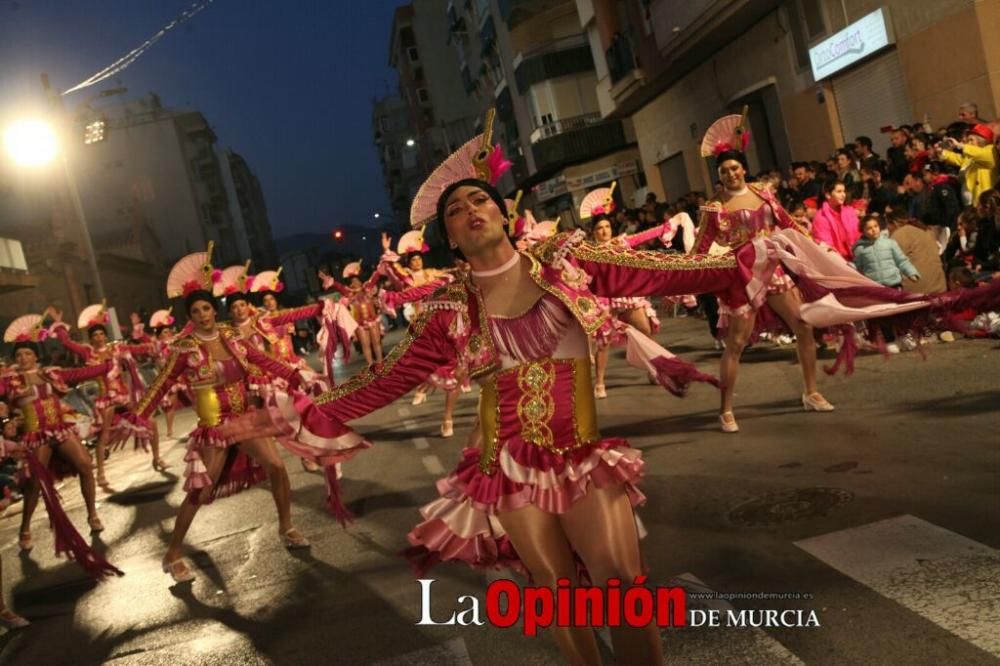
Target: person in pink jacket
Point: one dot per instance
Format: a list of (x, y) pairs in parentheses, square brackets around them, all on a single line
[(835, 224)]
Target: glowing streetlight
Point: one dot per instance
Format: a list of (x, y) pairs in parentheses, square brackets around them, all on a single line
[(377, 215), (31, 143), (34, 143), (410, 143)]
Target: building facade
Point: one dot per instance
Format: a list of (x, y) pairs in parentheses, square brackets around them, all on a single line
[(161, 163), (814, 74), (251, 225)]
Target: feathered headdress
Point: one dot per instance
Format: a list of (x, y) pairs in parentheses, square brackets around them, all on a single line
[(268, 281), (478, 158), (727, 133), (161, 318), (412, 241), (192, 273), (599, 201), (352, 269), (27, 328), (93, 315), (234, 280)]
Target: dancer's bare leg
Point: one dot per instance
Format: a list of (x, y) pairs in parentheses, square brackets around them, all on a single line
[(601, 528), (168, 415), (154, 442), (450, 398), (215, 460), (737, 336), (33, 490), (107, 419), (366, 344), (265, 452), (376, 337), (73, 452), (541, 544), (601, 365), (787, 306), (637, 317)]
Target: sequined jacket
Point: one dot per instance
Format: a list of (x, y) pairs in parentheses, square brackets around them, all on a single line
[(121, 354), (41, 404), (716, 226), (453, 325), (191, 362)]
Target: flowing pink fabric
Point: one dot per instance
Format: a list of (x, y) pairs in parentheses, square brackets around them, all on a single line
[(67, 539), (670, 372)]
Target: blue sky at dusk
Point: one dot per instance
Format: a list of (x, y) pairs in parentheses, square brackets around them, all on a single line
[(286, 83)]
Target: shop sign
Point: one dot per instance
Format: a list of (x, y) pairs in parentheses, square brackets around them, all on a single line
[(852, 44)]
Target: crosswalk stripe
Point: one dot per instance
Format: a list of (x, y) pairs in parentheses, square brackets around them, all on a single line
[(449, 653), (410, 424), (720, 645), (421, 443), (944, 577), (433, 465)]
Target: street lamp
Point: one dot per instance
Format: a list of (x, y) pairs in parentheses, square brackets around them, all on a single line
[(34, 143), (377, 215), (410, 143)]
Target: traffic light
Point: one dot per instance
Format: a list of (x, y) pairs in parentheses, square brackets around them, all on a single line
[(338, 235)]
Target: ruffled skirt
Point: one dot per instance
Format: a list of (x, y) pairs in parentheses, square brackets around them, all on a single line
[(462, 525)]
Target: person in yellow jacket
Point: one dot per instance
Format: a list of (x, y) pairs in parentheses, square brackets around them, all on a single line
[(977, 160)]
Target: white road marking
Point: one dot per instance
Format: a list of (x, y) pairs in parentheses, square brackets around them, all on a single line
[(449, 653), (404, 411), (410, 424), (421, 443), (433, 465), (946, 578)]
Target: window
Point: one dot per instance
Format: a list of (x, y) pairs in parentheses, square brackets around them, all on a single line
[(411, 53), (418, 74), (406, 37), (422, 96), (807, 25)]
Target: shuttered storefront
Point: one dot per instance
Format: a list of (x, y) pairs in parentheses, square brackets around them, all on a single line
[(871, 96)]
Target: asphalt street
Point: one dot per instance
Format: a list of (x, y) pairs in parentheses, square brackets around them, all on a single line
[(885, 512)]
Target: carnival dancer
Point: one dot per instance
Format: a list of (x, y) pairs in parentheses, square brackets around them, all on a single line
[(546, 487), (219, 365), (37, 391), (337, 326), (119, 389), (360, 299), (449, 378), (598, 207), (742, 212), (265, 331), (161, 323)]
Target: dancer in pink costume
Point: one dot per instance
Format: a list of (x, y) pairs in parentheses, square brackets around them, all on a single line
[(220, 366), (119, 389), (37, 392), (638, 312), (161, 323), (360, 299), (792, 280), (545, 488), (407, 280)]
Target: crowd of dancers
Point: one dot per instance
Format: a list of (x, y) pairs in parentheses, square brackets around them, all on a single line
[(527, 313)]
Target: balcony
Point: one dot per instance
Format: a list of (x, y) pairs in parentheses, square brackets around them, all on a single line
[(549, 130), (516, 12), (13, 268), (573, 141), (549, 61)]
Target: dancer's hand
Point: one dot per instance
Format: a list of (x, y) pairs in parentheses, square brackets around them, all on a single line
[(914, 278), (386, 242)]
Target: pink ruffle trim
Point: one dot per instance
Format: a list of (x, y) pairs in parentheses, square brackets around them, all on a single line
[(461, 525)]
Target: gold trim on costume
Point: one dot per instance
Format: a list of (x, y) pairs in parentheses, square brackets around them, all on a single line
[(535, 408), (611, 253), (208, 406), (161, 379)]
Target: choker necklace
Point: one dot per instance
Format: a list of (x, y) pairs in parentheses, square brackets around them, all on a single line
[(207, 338), (507, 265), (738, 193)]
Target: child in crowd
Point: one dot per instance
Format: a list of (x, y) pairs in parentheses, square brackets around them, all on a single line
[(881, 259)]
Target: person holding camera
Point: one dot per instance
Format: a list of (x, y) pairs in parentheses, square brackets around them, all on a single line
[(976, 160)]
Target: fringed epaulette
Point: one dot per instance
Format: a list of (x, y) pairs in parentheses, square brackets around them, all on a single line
[(554, 248), (184, 343), (711, 207), (453, 296)]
